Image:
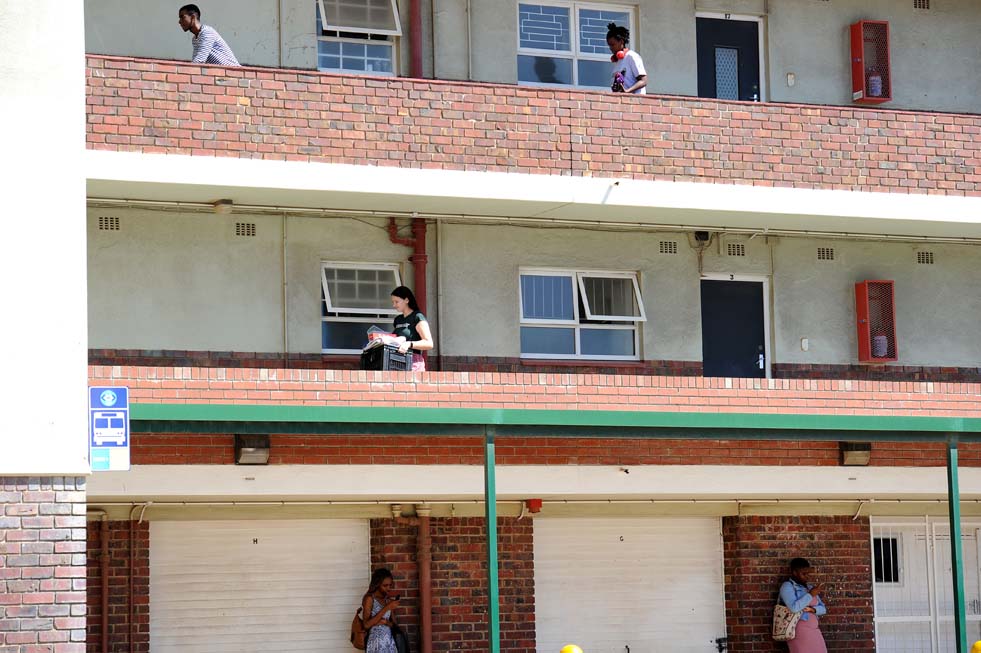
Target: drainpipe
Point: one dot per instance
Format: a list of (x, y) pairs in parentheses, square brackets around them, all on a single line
[(418, 258), (132, 574), (104, 566), (424, 562), (424, 558), (415, 38)]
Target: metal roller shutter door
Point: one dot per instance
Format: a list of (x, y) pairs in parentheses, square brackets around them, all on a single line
[(290, 585), (653, 584)]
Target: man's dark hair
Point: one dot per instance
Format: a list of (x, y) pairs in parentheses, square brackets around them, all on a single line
[(190, 9), (799, 563)]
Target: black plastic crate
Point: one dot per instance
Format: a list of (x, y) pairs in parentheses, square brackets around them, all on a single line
[(386, 357)]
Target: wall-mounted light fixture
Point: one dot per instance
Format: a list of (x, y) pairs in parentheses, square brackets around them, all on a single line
[(855, 454), (251, 449)]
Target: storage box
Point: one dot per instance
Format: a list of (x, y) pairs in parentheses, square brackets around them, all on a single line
[(386, 357)]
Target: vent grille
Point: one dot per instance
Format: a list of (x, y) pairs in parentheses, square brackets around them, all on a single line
[(668, 247), (108, 223), (921, 4), (246, 229), (826, 253), (924, 258), (736, 249)]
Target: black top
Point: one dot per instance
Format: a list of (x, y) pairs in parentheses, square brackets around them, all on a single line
[(405, 325)]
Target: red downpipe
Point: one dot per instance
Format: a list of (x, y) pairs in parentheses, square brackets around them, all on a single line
[(424, 562), (104, 541), (418, 258), (104, 574), (424, 558), (415, 38), (132, 577)]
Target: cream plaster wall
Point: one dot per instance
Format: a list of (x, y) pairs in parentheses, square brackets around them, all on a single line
[(934, 53), (42, 252), (279, 33), (185, 281)]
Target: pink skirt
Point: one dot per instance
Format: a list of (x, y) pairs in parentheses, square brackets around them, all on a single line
[(418, 363), (809, 638)]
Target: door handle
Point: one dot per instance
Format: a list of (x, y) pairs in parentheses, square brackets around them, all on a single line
[(761, 362)]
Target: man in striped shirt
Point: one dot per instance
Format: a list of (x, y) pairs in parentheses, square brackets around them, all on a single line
[(209, 47)]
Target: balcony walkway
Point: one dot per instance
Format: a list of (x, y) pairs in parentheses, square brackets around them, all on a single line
[(170, 107)]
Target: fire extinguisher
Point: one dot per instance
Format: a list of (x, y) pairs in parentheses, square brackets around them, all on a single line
[(875, 83)]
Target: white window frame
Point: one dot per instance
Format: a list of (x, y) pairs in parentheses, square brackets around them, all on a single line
[(361, 29), (611, 275), (575, 323), (371, 316), (575, 54), (753, 19), (389, 42)]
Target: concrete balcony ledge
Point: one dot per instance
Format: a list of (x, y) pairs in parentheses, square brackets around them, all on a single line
[(169, 107)]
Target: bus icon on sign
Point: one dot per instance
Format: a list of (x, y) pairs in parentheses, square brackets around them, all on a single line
[(108, 426)]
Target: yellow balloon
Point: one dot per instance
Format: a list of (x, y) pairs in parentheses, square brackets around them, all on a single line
[(977, 647), (572, 648)]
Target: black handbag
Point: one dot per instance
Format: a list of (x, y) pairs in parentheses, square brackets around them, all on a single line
[(401, 639)]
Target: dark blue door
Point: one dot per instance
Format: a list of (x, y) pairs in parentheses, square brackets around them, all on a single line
[(728, 58), (733, 333)]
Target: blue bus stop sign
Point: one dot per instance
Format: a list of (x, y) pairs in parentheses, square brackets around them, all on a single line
[(109, 429)]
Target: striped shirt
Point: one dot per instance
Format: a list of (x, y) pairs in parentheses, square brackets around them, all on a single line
[(209, 47)]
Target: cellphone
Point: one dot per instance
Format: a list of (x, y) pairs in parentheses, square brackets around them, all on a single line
[(398, 597)]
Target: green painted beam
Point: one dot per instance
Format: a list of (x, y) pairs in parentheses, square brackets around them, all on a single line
[(956, 547), (476, 431), (490, 522), (626, 419)]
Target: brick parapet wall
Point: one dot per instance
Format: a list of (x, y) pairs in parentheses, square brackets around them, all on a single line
[(180, 108), (248, 386), (129, 621), (233, 359), (42, 564), (459, 579), (757, 551)]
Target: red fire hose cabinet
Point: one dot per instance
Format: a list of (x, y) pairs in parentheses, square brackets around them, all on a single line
[(875, 311), (871, 72)]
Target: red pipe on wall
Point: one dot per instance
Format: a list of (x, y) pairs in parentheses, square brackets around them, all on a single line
[(418, 258), (415, 38), (424, 558), (104, 563)]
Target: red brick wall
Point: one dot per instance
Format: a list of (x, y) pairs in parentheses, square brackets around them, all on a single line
[(393, 546), (128, 621), (42, 577), (181, 108), (183, 449), (459, 573), (539, 391), (757, 551)]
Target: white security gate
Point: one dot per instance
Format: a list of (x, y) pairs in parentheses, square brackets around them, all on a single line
[(914, 604), (643, 585), (243, 586)]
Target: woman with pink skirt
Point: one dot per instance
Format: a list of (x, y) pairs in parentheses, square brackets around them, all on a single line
[(800, 595)]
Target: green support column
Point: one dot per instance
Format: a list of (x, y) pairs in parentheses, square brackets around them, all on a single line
[(490, 515), (956, 549)]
